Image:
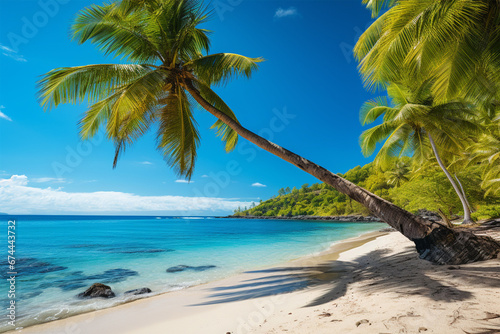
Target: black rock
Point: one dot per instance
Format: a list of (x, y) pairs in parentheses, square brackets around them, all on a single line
[(97, 290), (177, 268), (183, 267), (429, 215), (138, 291), (203, 268)]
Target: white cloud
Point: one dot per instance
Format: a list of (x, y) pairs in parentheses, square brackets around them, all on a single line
[(8, 52), (204, 175), (280, 12), (146, 163), (2, 115), (257, 184), (48, 179), (18, 198), (15, 180), (183, 181)]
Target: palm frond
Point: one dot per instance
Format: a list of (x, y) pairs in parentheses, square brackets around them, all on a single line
[(92, 82), (454, 42), (117, 34), (373, 109), (220, 68), (128, 103), (371, 137), (178, 137), (228, 135)]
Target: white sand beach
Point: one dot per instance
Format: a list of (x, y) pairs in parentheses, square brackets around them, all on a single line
[(371, 284)]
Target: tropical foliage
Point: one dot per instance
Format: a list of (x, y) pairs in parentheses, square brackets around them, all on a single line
[(429, 190), (453, 47), (415, 125), (454, 42), (486, 153)]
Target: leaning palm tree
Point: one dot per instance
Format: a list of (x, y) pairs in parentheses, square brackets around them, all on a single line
[(414, 125), (169, 65), (455, 40)]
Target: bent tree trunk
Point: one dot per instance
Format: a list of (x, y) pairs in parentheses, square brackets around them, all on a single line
[(463, 191), (434, 242), (461, 195)]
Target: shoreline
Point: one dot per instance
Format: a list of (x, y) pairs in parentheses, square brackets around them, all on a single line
[(332, 252), (374, 283), (348, 218)]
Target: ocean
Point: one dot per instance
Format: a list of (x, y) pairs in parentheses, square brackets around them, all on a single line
[(58, 257)]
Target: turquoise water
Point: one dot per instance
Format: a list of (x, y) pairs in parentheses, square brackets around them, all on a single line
[(58, 257)]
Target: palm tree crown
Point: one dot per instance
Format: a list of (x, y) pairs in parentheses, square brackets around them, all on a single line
[(408, 120), (399, 174), (164, 46), (455, 42)]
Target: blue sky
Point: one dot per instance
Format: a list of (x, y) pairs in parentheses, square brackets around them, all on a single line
[(305, 97)]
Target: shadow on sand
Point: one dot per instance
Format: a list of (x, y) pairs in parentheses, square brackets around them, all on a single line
[(378, 270)]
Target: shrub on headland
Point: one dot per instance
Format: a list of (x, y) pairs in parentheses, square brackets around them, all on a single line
[(486, 212)]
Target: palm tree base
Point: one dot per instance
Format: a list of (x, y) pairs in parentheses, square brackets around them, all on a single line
[(468, 222), (446, 246)]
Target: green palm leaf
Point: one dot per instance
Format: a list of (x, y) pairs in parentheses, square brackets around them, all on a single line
[(228, 135), (117, 34), (177, 136), (220, 68), (92, 82), (454, 42)]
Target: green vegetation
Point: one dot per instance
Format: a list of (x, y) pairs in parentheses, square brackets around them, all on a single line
[(415, 125), (412, 190), (437, 61)]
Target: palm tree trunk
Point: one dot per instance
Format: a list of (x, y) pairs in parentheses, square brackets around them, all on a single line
[(463, 192), (467, 217), (434, 242)]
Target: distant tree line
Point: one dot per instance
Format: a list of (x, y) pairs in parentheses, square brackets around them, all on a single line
[(412, 189)]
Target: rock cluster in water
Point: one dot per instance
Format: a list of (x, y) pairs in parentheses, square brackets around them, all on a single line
[(183, 267), (97, 290), (138, 291)]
